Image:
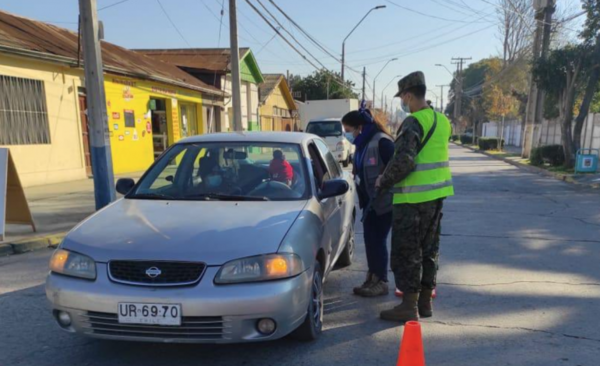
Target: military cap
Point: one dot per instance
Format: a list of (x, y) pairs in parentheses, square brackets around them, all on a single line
[(416, 78)]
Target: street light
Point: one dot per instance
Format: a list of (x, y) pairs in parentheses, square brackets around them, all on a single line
[(352, 31), (388, 84), (375, 79), (444, 66)]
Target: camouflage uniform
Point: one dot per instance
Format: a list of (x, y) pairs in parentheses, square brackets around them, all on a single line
[(415, 227)]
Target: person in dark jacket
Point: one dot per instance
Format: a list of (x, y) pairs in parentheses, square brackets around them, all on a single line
[(374, 149)]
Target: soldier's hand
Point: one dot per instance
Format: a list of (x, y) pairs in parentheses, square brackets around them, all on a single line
[(378, 182)]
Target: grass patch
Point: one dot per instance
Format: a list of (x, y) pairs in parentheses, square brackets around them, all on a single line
[(559, 169)]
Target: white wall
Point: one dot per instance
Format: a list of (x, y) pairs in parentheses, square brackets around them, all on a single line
[(550, 133), (511, 133)]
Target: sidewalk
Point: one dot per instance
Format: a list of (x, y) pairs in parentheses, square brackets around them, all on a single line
[(513, 156), (56, 209)]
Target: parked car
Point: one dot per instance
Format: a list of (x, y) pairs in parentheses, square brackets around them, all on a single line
[(332, 131), (210, 245)]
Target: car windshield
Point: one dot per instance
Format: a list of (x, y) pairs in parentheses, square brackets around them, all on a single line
[(325, 128), (226, 171)]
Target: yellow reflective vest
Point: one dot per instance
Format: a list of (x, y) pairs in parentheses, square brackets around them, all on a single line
[(431, 178)]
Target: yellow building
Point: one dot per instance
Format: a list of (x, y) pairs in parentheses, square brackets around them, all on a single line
[(278, 112), (43, 120)]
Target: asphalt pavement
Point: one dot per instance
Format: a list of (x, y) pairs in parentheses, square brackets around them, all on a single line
[(519, 284)]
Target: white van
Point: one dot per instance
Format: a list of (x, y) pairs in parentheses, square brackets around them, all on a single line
[(332, 131)]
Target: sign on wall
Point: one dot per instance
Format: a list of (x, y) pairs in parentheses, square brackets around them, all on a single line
[(13, 204)]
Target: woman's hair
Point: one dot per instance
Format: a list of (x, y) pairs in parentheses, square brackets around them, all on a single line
[(355, 119)]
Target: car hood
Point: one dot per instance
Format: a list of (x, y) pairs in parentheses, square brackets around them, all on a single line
[(213, 232)]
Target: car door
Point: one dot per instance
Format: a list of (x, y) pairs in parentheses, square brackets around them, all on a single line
[(336, 220), (329, 206)]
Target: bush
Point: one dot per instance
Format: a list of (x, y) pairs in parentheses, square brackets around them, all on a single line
[(454, 138), (489, 143), (550, 154), (466, 139)]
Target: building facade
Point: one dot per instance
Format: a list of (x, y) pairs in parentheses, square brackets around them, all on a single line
[(278, 111)]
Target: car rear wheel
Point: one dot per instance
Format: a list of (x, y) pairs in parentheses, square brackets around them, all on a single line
[(345, 259), (346, 162), (313, 324)]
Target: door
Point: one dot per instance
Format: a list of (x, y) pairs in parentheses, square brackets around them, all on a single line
[(330, 208), (85, 134), (341, 223)]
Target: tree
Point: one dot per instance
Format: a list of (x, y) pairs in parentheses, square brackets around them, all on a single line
[(514, 29), (322, 84), (570, 73)]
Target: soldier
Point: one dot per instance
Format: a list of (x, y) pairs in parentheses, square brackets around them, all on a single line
[(419, 177)]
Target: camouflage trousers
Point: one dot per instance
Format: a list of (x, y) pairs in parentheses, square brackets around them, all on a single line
[(415, 245)]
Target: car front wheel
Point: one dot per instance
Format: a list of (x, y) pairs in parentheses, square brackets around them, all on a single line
[(313, 324)]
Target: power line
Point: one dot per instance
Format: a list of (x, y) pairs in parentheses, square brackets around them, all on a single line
[(170, 21), (424, 14), (418, 50), (291, 45), (113, 4)]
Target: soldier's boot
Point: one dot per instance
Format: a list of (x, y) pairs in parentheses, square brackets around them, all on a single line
[(404, 312), (365, 284), (377, 287), (426, 303)]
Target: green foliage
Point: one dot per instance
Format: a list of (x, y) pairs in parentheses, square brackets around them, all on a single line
[(550, 154), (489, 143), (592, 23), (314, 86), (466, 139)]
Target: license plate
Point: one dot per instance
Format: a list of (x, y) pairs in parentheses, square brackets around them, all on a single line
[(155, 314)]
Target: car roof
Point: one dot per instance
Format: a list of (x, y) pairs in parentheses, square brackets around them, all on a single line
[(273, 137), (328, 119)]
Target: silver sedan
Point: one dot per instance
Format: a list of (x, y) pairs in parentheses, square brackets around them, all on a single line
[(226, 238)]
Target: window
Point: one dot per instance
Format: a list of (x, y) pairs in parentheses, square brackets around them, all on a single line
[(325, 128), (23, 112), (332, 164), (129, 116)]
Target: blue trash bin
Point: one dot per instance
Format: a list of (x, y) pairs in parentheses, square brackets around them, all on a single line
[(587, 161)]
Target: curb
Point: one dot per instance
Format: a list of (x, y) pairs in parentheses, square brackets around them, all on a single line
[(533, 169), (6, 249), (33, 244)]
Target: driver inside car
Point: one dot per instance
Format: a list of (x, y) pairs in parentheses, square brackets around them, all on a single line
[(280, 170)]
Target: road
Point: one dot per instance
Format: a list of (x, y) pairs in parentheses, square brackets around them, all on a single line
[(519, 285)]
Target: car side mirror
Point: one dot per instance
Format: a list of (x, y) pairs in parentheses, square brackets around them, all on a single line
[(124, 185), (333, 188)]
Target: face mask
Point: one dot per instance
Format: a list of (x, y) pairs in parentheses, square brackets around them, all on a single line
[(214, 180), (405, 107)]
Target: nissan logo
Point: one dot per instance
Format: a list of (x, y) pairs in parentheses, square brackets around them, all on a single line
[(153, 272)]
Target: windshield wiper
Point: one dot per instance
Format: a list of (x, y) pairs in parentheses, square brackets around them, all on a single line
[(152, 196), (227, 197)]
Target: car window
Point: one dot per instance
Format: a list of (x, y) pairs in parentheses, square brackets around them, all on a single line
[(274, 171), (332, 164), (325, 128), (319, 167)]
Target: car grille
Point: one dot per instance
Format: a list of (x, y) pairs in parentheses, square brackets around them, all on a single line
[(191, 328), (156, 273)]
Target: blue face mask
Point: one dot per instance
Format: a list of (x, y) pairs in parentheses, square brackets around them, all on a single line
[(214, 181), (405, 107)]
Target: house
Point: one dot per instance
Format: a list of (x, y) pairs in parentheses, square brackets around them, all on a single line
[(43, 119), (213, 67), (278, 111)]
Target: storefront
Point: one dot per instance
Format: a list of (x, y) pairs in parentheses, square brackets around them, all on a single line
[(145, 118)]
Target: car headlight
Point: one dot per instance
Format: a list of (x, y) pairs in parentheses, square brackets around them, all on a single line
[(260, 268), (73, 264)]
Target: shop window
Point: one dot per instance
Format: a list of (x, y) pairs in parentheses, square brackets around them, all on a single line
[(129, 116), (23, 112)]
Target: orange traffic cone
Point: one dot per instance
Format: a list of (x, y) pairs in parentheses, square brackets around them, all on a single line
[(399, 293), (411, 348)]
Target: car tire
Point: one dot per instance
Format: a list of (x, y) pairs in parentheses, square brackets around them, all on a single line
[(312, 326), (345, 259), (346, 162)]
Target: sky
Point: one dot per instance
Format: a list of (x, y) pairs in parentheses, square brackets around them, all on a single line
[(420, 34)]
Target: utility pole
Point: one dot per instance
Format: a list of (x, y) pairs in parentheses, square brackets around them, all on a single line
[(236, 90), (459, 81), (533, 111), (364, 79), (442, 96), (104, 191)]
